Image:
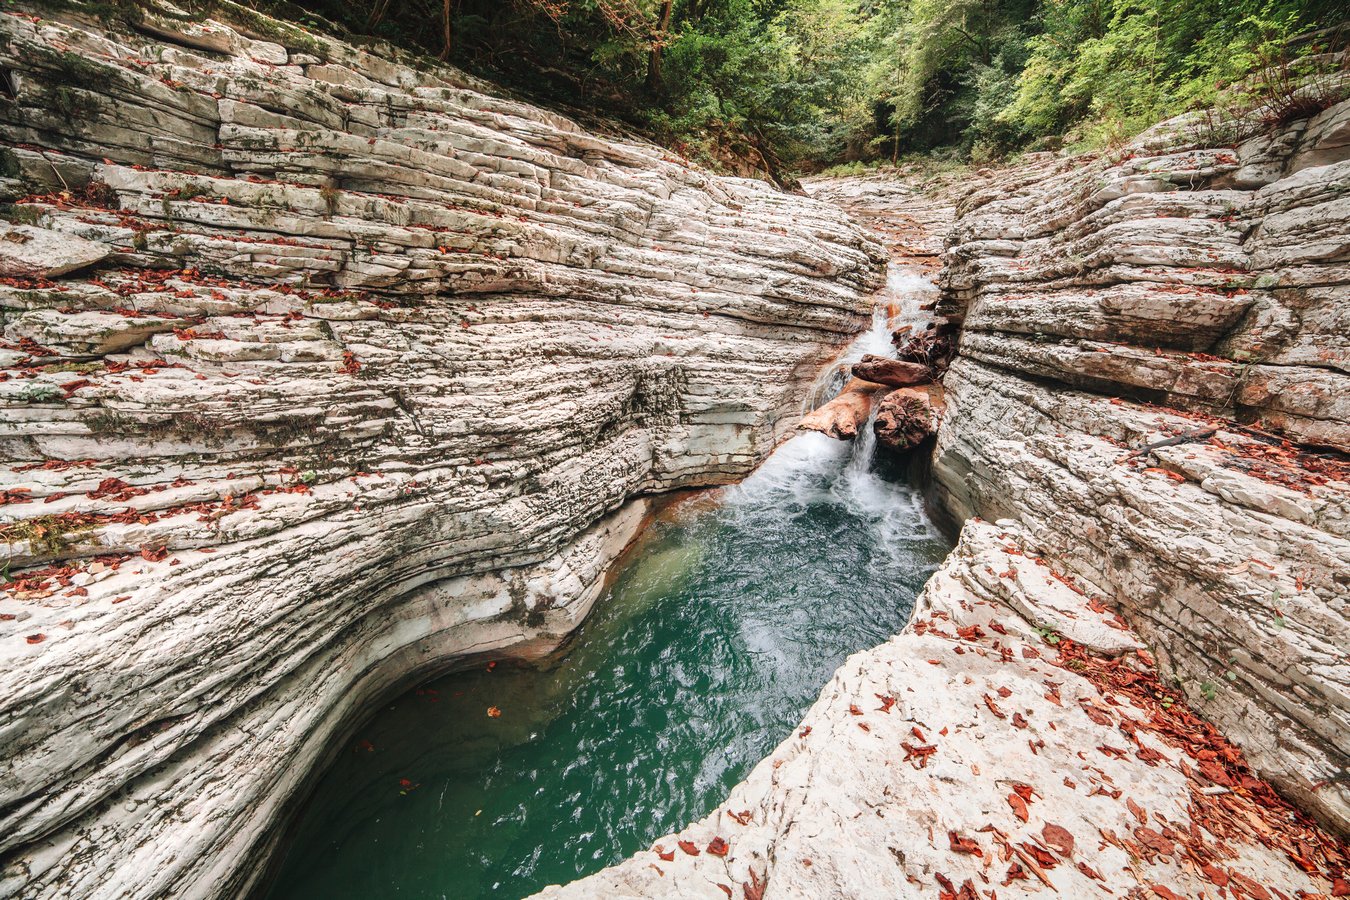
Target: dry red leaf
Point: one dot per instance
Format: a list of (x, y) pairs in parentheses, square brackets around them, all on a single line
[(718, 847), (1090, 872), (1041, 855), (1019, 807), (961, 844), (920, 753), (1165, 893), (993, 707), (667, 855), (1058, 838), (35, 638), (725, 889), (689, 847), (754, 888)]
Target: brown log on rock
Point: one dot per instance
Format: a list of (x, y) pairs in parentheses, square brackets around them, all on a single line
[(905, 417), (933, 347), (892, 372), (843, 416)]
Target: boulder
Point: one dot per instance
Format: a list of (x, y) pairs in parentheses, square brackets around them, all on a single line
[(906, 417), (846, 414), (28, 252)]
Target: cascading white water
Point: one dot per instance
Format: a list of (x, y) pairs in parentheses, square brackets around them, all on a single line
[(812, 468), (897, 304)]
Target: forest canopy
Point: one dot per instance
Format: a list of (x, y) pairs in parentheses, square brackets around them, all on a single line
[(809, 82)]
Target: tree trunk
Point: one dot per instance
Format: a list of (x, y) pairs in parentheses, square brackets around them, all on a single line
[(445, 28), (658, 44)]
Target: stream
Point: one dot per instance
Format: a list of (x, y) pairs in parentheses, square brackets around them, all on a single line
[(720, 628)]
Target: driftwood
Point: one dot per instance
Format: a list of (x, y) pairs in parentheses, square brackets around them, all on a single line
[(907, 416), (843, 416), (1199, 434), (891, 372), (933, 347)]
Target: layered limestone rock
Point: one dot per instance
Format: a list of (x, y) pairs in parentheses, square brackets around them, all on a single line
[(1154, 380), (1014, 739), (333, 370), (1150, 396)]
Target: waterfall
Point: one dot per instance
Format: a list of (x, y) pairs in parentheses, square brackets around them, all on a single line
[(812, 468), (895, 305)]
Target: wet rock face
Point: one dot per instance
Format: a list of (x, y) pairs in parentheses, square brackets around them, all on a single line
[(1111, 304), (341, 370)]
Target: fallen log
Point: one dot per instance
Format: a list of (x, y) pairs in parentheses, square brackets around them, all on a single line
[(843, 416), (892, 372), (1198, 434), (907, 416)]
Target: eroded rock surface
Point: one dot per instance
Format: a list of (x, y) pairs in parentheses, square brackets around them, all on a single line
[(1015, 738), (371, 366), (1116, 302), (1149, 395)]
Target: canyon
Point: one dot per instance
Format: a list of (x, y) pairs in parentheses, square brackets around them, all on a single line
[(327, 371)]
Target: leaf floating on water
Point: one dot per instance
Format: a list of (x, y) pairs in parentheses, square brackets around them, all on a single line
[(689, 847), (718, 847), (494, 712)]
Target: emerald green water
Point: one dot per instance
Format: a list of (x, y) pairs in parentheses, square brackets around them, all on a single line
[(719, 631)]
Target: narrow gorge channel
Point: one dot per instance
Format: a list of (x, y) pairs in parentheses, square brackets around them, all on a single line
[(717, 631)]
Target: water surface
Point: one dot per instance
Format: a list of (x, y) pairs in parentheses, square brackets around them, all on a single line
[(720, 629)]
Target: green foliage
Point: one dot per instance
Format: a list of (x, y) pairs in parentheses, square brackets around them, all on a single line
[(796, 83)]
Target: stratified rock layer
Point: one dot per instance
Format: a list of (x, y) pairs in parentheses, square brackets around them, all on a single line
[(1141, 335), (372, 365), (1113, 303)]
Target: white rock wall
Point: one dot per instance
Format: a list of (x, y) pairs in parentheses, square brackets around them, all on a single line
[(324, 372)]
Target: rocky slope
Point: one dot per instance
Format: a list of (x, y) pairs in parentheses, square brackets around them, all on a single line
[(1112, 303), (322, 371), (1150, 398)]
